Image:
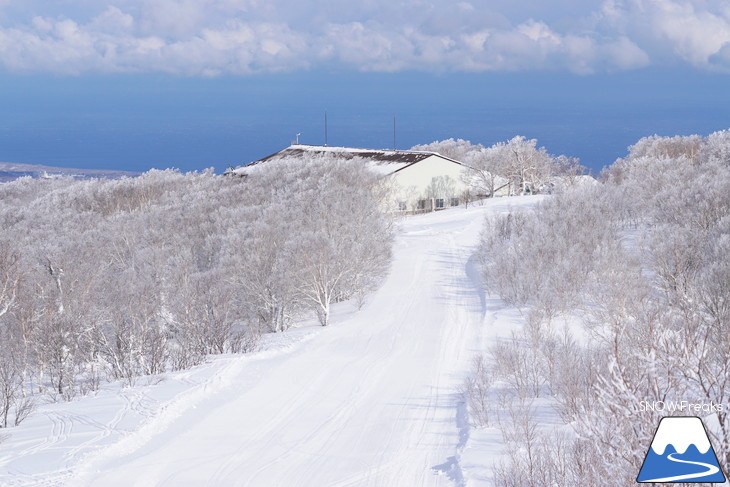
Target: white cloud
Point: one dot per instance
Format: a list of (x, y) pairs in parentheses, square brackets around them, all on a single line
[(721, 58), (112, 21), (623, 53), (670, 31), (210, 37)]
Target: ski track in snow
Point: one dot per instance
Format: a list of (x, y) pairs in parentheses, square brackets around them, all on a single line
[(371, 400)]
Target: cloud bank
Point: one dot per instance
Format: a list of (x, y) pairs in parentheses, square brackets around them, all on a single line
[(213, 37)]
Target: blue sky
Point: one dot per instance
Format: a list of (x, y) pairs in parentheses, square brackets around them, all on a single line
[(134, 84)]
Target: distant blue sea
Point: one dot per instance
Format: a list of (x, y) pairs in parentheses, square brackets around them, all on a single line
[(136, 122), (11, 175)]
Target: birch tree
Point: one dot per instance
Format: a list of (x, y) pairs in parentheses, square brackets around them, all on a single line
[(9, 277), (484, 167), (524, 164), (343, 236)]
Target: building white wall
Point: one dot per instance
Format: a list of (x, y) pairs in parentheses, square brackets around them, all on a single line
[(411, 183)]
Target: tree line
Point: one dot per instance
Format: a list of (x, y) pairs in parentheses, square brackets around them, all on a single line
[(116, 279), (516, 166), (625, 287)]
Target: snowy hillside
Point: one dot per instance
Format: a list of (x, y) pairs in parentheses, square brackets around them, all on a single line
[(10, 171), (371, 400)]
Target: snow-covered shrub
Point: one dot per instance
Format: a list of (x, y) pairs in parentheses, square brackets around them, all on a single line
[(544, 258), (644, 258), (519, 365), (329, 241), (517, 163), (477, 389), (114, 279)]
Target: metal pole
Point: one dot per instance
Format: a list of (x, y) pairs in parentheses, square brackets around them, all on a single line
[(395, 146)]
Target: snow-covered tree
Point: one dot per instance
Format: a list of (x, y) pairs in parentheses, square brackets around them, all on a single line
[(518, 162), (689, 147), (114, 279), (333, 235), (9, 277), (460, 150), (643, 260), (525, 165)]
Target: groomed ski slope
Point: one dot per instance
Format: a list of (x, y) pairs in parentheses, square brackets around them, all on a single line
[(371, 400)]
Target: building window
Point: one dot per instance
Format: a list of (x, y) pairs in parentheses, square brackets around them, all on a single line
[(439, 202), (454, 201), (421, 204), (402, 206)]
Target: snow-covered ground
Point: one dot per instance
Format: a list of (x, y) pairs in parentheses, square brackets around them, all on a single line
[(371, 400)]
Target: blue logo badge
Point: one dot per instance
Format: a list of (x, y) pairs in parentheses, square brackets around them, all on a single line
[(681, 452)]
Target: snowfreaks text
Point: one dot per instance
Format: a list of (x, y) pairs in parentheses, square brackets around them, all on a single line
[(680, 406)]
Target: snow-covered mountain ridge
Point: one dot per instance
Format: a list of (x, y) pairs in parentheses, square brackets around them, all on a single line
[(12, 170)]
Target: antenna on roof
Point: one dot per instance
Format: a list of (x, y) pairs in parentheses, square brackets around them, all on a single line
[(395, 146), (325, 128), (298, 137)]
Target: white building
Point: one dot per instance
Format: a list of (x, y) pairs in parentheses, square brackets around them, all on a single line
[(423, 181)]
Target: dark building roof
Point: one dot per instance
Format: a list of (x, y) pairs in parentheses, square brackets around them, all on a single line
[(383, 161), (350, 153)]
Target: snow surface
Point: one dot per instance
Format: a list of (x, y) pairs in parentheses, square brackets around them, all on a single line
[(372, 399)]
